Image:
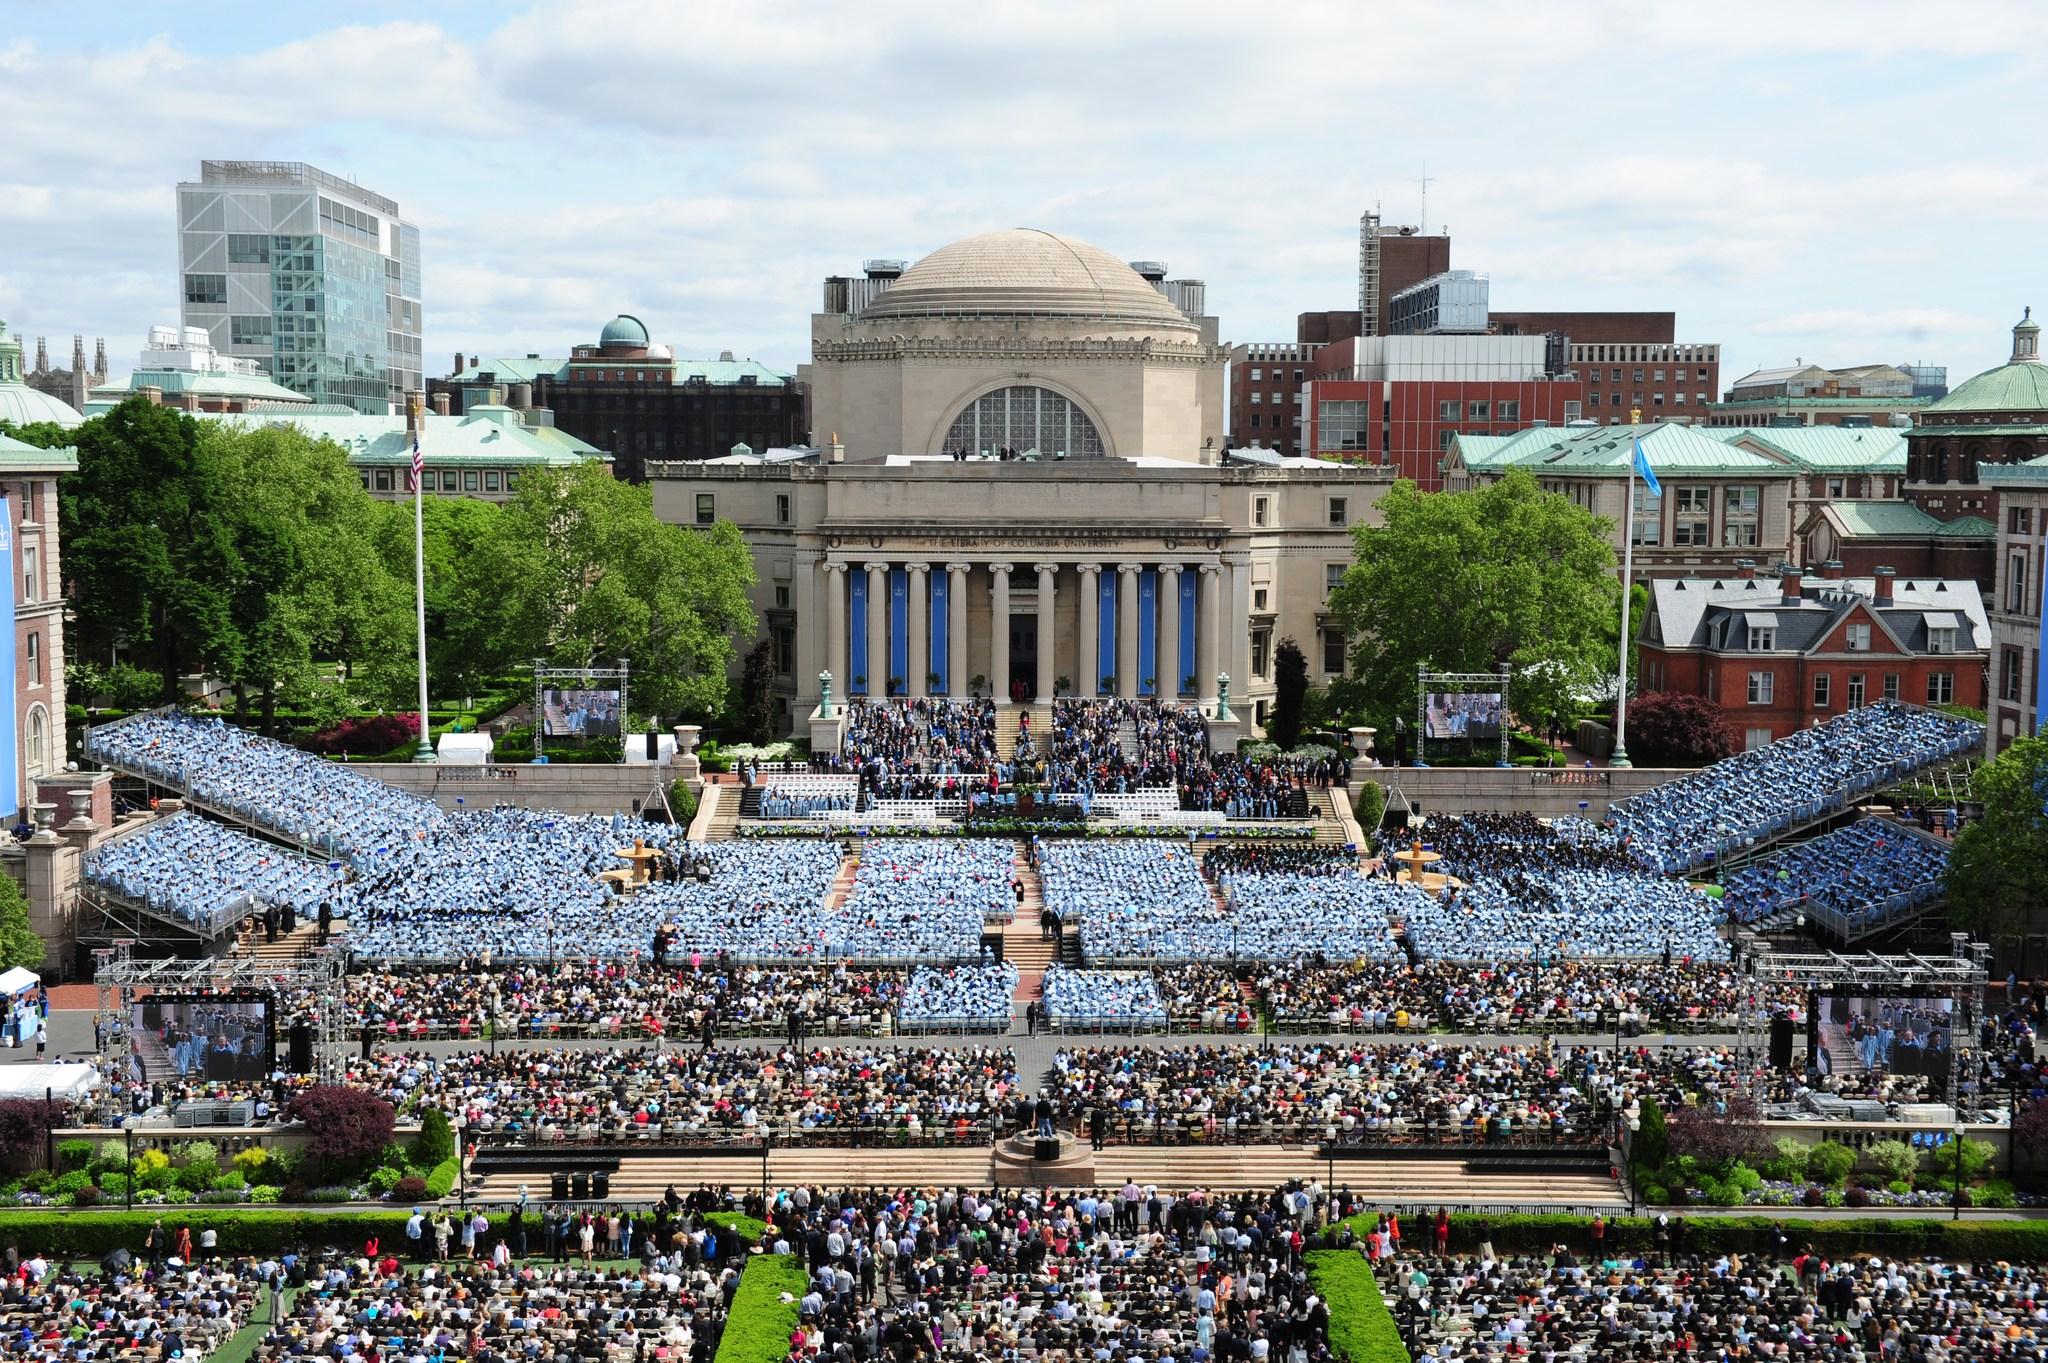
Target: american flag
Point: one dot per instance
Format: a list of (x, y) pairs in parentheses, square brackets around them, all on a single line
[(412, 482)]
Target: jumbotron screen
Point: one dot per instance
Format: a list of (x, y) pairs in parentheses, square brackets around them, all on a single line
[(579, 714), (219, 1037), (1462, 714), (1857, 1032)]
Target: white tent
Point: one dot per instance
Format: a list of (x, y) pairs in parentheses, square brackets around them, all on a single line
[(66, 1080), (16, 980), (465, 750)]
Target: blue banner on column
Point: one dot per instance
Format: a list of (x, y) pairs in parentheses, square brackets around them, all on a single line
[(10, 755), (899, 630), (1105, 636), (1190, 585), (1148, 632), (941, 635), (857, 633)]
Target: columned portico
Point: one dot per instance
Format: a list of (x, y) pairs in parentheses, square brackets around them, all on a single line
[(835, 626), (919, 619), (999, 631), (1127, 630), (1048, 629), (956, 631), (1087, 674), (1239, 610)]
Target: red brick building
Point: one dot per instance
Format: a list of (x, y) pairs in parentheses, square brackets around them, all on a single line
[(1265, 395), (1780, 655)]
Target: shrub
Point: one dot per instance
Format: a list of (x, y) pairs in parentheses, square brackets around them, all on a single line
[(88, 1196), (764, 1311), (1813, 1196), (265, 1192), (65, 1184), (1678, 729), (1745, 1179), (200, 1152), (1829, 1164), (331, 1193), (153, 1171), (1996, 1193), (252, 1161), (436, 1139), (384, 1178), (233, 1181), (1856, 1197), (195, 1178), (113, 1186), (441, 1181), (1899, 1187), (110, 1157), (1652, 1144), (411, 1188), (35, 1181), (1361, 1327), (346, 1125), (366, 736), (74, 1154), (1656, 1194), (1894, 1159), (24, 1127)]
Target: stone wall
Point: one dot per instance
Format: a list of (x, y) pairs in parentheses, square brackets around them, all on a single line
[(1507, 790)]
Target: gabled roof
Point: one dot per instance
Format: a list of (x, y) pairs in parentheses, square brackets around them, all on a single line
[(1759, 378), (1714, 613), (1830, 449), (1881, 520), (1967, 527)]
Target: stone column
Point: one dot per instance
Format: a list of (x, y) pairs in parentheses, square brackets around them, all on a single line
[(878, 630), (805, 589), (1208, 634), (1127, 677), (1167, 663), (835, 627), (1088, 676), (919, 619), (999, 625), (1048, 628), (1237, 646), (956, 631)]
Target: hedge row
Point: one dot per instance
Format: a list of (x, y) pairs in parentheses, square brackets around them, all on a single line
[(1362, 1330), (764, 1310), (92, 1234), (1965, 1240)]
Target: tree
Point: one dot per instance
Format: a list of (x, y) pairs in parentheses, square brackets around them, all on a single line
[(1674, 729), (1998, 871), (757, 694), (1652, 1144), (24, 1129), (346, 1127), (19, 944), (468, 632), (589, 575), (1466, 581), (436, 1140), (1716, 1139), (1290, 691)]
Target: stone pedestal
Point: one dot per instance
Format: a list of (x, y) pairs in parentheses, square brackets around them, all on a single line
[(1024, 1161), (827, 730), (1224, 732), (684, 765)]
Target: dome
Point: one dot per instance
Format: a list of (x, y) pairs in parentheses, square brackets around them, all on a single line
[(1026, 272), (21, 404), (623, 330), (2018, 385)]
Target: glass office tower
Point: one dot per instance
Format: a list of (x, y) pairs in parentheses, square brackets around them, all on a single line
[(313, 277)]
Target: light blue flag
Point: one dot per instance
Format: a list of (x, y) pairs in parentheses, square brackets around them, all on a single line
[(1644, 472)]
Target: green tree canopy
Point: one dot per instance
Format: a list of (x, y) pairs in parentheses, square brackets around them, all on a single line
[(1465, 581), (19, 944), (1998, 873), (586, 574)]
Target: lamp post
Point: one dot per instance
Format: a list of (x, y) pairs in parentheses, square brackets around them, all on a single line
[(1956, 1197)]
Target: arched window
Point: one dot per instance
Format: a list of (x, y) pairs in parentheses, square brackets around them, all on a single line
[(36, 741), (1025, 418)]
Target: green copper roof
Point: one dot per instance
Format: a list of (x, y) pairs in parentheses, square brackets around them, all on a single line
[(1832, 449), (1966, 527), (1902, 520), (19, 454), (2021, 386), (234, 387), (487, 435), (1609, 451)]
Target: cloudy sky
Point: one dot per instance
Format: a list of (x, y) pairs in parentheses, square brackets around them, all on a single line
[(1839, 182)]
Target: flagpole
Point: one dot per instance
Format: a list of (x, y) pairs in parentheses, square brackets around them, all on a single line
[(1628, 578), (419, 579)]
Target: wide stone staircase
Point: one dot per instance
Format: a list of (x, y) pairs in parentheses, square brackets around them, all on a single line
[(722, 801), (1009, 719), (1022, 945)]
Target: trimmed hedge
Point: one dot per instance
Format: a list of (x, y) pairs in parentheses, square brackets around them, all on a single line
[(758, 1327), (1969, 1241), (92, 1234), (1362, 1330), (441, 1178), (749, 1229)]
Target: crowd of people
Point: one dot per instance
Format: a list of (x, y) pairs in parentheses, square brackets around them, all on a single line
[(306, 799), (1111, 999), (683, 1094), (174, 1308), (915, 749), (925, 899), (1548, 915), (793, 802), (1706, 814), (1853, 874), (1606, 1306), (207, 874), (969, 997)]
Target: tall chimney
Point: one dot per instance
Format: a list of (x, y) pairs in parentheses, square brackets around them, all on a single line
[(1745, 569), (1788, 584), (1831, 569), (1881, 584), (441, 403), (458, 362)]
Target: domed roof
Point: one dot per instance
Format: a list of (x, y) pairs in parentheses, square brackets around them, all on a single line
[(2018, 385), (21, 404), (1026, 272), (625, 329)]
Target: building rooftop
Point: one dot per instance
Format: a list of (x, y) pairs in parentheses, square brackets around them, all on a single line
[(491, 434), (1695, 612), (199, 383), (21, 456), (1609, 451), (1832, 449)]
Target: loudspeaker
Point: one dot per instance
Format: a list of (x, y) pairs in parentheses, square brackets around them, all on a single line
[(302, 1048), (558, 1185), (1045, 1150), (600, 1184), (1781, 1043), (579, 1186)]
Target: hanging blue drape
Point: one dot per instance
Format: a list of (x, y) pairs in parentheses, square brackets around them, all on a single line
[(942, 640), (1190, 586), (899, 629), (1105, 614), (857, 634), (1149, 680)]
